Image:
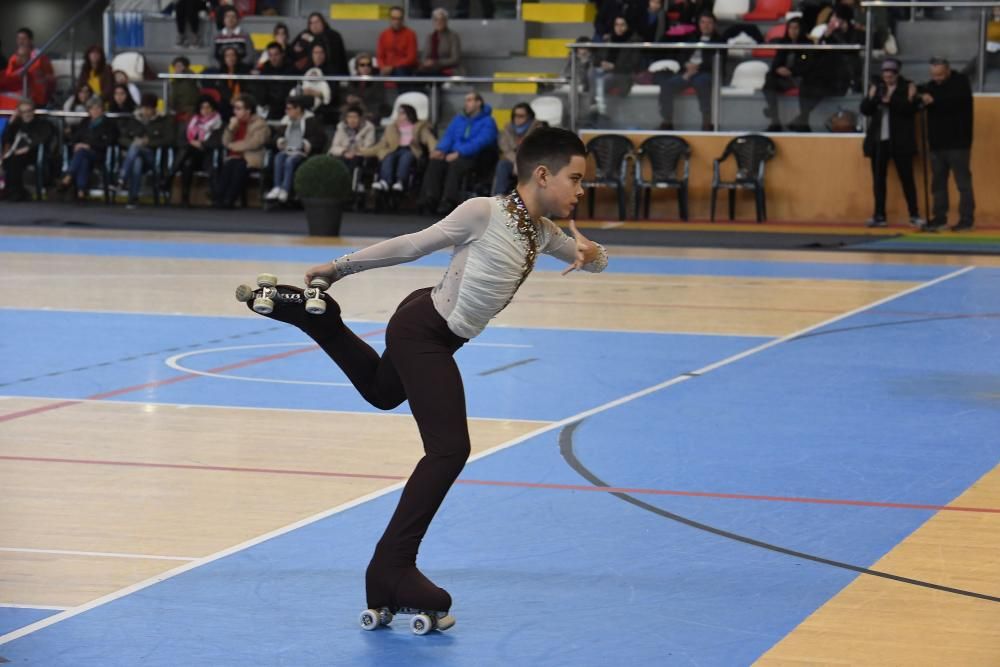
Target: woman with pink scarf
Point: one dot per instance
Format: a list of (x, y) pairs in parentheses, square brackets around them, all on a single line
[(203, 134)]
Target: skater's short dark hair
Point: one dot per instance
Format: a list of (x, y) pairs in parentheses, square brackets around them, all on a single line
[(549, 146)]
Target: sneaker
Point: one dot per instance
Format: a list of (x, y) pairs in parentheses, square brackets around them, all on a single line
[(272, 193), (282, 195), (962, 226), (917, 222), (397, 187), (933, 226), (380, 185), (876, 222)]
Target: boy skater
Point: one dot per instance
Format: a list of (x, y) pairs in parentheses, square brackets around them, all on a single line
[(496, 241)]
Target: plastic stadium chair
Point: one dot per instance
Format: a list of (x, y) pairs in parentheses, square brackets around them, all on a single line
[(773, 34), (768, 10), (419, 101), (730, 10), (751, 151), (548, 109), (132, 63), (665, 153), (611, 153), (748, 77)]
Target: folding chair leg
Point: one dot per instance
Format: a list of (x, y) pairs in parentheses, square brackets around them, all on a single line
[(763, 203), (622, 214), (590, 201), (649, 197), (732, 204), (715, 192), (682, 203), (758, 205)]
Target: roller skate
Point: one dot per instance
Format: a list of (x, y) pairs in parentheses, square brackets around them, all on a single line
[(411, 594), (422, 621), (290, 304)]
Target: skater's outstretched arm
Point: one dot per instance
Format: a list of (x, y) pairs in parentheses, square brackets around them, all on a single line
[(463, 225), (579, 251)]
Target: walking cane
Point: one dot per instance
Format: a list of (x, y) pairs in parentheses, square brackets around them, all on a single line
[(925, 157)]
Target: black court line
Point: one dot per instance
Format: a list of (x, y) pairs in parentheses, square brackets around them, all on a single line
[(139, 356), (566, 449), (827, 332), (515, 364)]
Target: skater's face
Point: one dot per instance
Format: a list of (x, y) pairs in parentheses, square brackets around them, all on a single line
[(562, 190)]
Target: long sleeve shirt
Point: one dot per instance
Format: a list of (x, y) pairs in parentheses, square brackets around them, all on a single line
[(397, 48), (487, 265)]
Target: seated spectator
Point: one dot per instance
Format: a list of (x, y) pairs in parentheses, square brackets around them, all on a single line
[(300, 136), (230, 89), (41, 78), (829, 73), (279, 36), (320, 93), (121, 78), (96, 72), (318, 31), (689, 11), (78, 103), (696, 72), (354, 134), (233, 36), (22, 137), (470, 142), (397, 47), (585, 62), (785, 72), (404, 142), (272, 94), (204, 133), (140, 136), (615, 67), (89, 146), (243, 139), (609, 10), (121, 102), (184, 93), (188, 21), (443, 53), (522, 122), (652, 26), (369, 95)]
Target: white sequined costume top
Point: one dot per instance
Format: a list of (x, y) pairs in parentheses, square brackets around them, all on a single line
[(487, 265)]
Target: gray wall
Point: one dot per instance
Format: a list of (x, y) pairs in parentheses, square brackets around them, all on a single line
[(44, 17)]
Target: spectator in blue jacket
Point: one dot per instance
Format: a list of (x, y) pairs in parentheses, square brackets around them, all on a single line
[(468, 145)]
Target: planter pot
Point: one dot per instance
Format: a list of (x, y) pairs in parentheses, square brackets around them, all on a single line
[(323, 216)]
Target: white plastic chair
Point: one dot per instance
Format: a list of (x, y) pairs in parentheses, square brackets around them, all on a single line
[(663, 65), (748, 77), (549, 109), (419, 101), (730, 10), (132, 63), (738, 40)]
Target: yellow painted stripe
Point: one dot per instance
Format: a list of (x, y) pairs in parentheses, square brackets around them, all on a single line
[(261, 40), (358, 12), (525, 88), (548, 47), (558, 12), (501, 116)]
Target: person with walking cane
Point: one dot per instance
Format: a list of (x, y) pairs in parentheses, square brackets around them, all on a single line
[(891, 104), (947, 99)]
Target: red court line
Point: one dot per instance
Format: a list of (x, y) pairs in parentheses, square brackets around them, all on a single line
[(519, 485), (162, 383)]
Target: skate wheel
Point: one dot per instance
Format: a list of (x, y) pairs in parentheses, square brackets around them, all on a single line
[(370, 619), (263, 305), (267, 280), (384, 616), (421, 624), (322, 284), (445, 622), (315, 306), (244, 293)]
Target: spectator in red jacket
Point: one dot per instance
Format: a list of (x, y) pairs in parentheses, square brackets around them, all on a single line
[(41, 79), (397, 47)]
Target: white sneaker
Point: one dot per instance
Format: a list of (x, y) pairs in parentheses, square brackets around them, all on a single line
[(380, 185), (272, 194), (397, 187), (360, 186), (282, 195)]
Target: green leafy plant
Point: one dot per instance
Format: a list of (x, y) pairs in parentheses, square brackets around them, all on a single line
[(323, 177)]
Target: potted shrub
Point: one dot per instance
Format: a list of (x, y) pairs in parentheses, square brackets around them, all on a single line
[(323, 184)]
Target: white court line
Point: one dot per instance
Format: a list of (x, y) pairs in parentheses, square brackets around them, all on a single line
[(97, 554), (11, 605), (110, 597)]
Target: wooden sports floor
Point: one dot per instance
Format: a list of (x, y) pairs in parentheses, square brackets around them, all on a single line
[(698, 457)]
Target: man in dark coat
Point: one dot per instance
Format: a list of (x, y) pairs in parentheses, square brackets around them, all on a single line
[(22, 138)]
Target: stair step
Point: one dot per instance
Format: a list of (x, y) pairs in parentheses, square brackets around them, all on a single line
[(356, 11), (548, 47), (549, 12), (525, 88)]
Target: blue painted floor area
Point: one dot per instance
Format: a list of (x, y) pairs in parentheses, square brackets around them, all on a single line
[(117, 351), (12, 618), (318, 255)]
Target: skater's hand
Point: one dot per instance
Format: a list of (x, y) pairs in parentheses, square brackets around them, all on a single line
[(328, 271), (586, 250)]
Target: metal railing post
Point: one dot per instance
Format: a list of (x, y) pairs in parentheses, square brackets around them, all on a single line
[(434, 104), (716, 88), (981, 61), (573, 91), (866, 71)]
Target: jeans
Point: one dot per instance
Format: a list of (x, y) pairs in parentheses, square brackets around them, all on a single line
[(135, 162), (396, 166), (957, 162), (671, 84), (80, 165), (285, 165), (504, 176)]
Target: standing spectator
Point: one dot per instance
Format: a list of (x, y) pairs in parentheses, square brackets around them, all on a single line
[(443, 54), (89, 146), (369, 95), (785, 72), (608, 10), (404, 142), (96, 72), (203, 133), (230, 89), (121, 102), (41, 79), (652, 27), (318, 30), (469, 143), (121, 78), (140, 136), (188, 23), (462, 9), (696, 72), (78, 103), (244, 139), (354, 134), (278, 36), (300, 136), (522, 122), (272, 94), (947, 97), (397, 47), (22, 138), (615, 66), (232, 35), (184, 93), (891, 105)]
